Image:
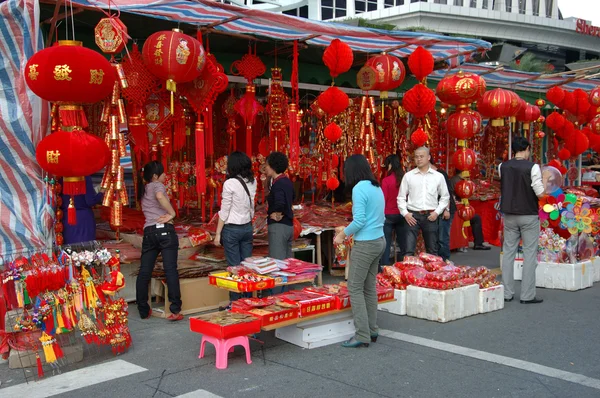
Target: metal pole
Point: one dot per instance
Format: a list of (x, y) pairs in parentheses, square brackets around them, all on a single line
[(509, 140), (579, 162)]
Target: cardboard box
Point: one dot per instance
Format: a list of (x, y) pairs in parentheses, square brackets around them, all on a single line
[(442, 305), (491, 299), (518, 270), (197, 295), (596, 268), (564, 276), (397, 307)]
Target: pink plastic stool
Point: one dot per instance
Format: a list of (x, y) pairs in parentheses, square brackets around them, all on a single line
[(224, 346)]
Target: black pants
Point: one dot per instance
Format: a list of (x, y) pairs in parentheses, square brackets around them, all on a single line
[(393, 222), (430, 234), (477, 230), (158, 240)]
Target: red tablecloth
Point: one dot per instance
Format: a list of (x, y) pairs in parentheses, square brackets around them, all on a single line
[(490, 224)]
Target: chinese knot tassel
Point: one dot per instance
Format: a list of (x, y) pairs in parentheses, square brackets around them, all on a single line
[(71, 213)]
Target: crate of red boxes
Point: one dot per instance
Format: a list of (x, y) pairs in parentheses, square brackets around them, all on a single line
[(241, 283), (224, 324), (309, 303), (340, 293), (269, 310)]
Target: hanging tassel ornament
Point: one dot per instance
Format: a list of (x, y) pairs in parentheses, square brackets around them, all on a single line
[(40, 368), (71, 213), (200, 167)]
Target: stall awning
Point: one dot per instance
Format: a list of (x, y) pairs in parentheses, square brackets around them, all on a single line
[(230, 19)]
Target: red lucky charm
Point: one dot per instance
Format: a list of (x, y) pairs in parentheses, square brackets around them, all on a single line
[(419, 137), (465, 189), (420, 63), (461, 88), (333, 132), (464, 159), (556, 95), (332, 183), (72, 156), (69, 75), (338, 57), (111, 35), (419, 100), (389, 72), (463, 124), (175, 57), (333, 101)]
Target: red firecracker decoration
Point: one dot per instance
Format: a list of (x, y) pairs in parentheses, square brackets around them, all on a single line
[(465, 189), (556, 95), (464, 159), (174, 57), (419, 137), (338, 57), (333, 132), (419, 100), (389, 73), (564, 154), (70, 75), (72, 156), (461, 88), (463, 124), (420, 63), (333, 101)]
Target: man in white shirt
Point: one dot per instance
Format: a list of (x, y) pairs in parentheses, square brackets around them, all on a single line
[(428, 197), (521, 186)]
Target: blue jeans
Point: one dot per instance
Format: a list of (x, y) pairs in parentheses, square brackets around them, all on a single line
[(430, 234), (444, 237), (237, 242), (393, 222)]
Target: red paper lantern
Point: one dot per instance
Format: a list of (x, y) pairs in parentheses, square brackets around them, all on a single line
[(333, 101), (566, 131), (389, 72), (338, 57), (175, 57), (527, 114), (72, 156), (335, 160), (595, 96), (419, 100), (594, 140), (333, 132), (595, 125), (555, 121), (582, 103), (463, 124), (419, 137), (461, 88), (498, 104), (577, 144), (540, 102), (556, 95), (420, 63), (564, 154), (466, 212), (465, 189), (332, 183), (568, 103), (464, 159)]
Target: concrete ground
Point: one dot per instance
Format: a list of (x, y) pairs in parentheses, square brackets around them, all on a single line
[(545, 350)]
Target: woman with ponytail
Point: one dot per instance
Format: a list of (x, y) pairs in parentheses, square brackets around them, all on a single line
[(159, 237)]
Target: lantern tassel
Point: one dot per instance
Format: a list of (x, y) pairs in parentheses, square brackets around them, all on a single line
[(72, 213), (74, 186), (172, 87), (72, 116)]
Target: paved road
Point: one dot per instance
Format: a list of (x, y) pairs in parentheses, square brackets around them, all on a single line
[(546, 350)]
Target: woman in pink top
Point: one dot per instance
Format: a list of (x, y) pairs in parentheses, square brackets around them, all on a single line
[(393, 219)]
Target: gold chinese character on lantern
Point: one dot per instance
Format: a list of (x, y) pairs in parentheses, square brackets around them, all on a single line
[(61, 72), (33, 72), (96, 76), (52, 156)]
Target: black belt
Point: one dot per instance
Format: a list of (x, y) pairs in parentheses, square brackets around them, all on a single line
[(422, 212), (152, 228)]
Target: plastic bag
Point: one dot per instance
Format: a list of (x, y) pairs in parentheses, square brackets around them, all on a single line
[(411, 260), (443, 276), (430, 258), (434, 266), (411, 275), (571, 250)]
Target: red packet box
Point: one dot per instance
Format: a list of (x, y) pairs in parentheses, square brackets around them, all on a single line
[(309, 303), (384, 293), (267, 309), (340, 293), (224, 324)]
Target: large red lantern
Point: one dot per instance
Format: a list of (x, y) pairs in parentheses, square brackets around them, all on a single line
[(333, 101), (175, 57), (464, 189), (595, 96), (463, 124), (69, 75), (528, 114), (419, 100), (556, 95), (461, 88), (498, 104), (595, 125), (333, 132), (389, 72), (72, 155), (421, 63), (577, 144), (466, 212), (464, 159), (338, 57), (555, 121)]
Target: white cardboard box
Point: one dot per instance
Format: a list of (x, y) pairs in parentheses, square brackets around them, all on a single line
[(596, 267), (397, 307), (491, 299), (564, 276), (442, 305)]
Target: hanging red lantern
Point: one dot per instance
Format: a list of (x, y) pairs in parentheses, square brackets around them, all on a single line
[(333, 101), (333, 132), (335, 160), (366, 78), (332, 183), (466, 212), (566, 131), (595, 96), (72, 155), (540, 102), (463, 124), (419, 100), (464, 189), (556, 95), (555, 121), (577, 144), (464, 159), (564, 154), (498, 104), (419, 137), (461, 88), (568, 103), (389, 72), (594, 124), (582, 103), (70, 75), (528, 114), (175, 57), (338, 57), (420, 63), (111, 35)]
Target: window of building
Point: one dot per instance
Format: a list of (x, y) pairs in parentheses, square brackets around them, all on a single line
[(393, 3), (508, 5), (522, 5), (330, 10), (484, 4), (458, 3), (303, 12), (440, 1), (365, 5), (473, 4), (549, 8), (535, 6)]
